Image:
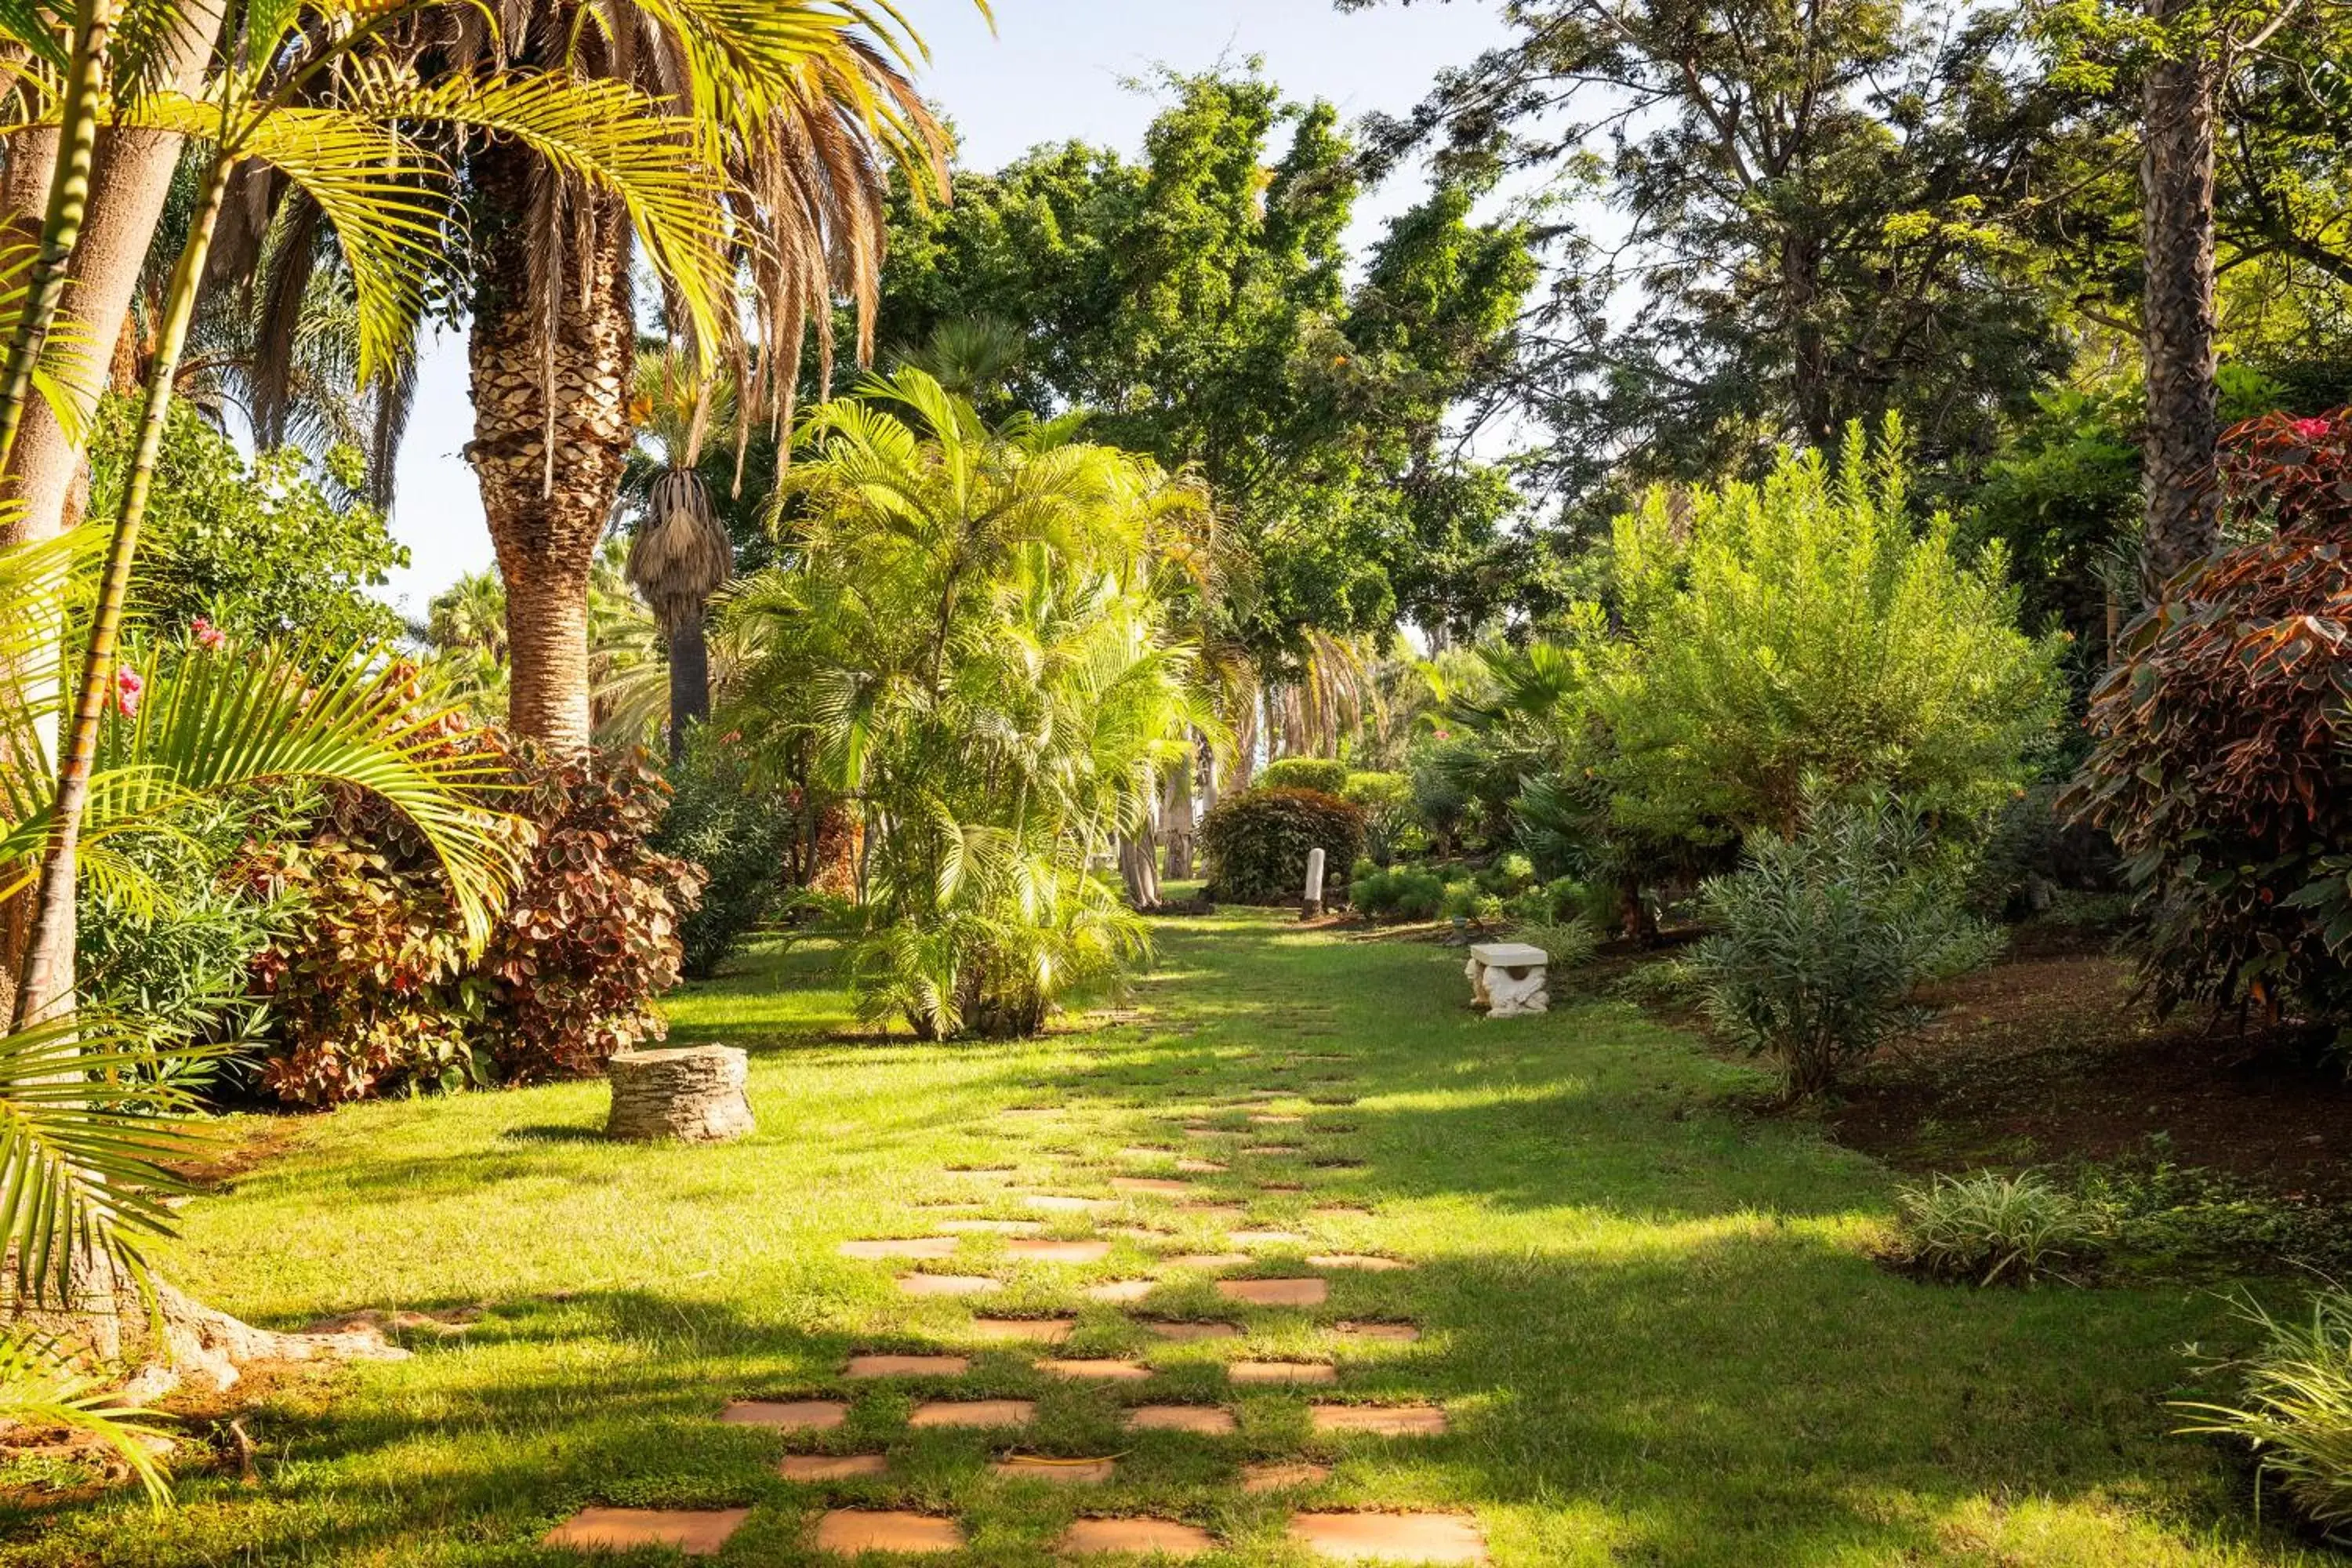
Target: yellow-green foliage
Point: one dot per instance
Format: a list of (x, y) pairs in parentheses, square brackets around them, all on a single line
[(1805, 633)]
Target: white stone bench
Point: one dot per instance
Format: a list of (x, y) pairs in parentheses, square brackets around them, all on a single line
[(1506, 978)]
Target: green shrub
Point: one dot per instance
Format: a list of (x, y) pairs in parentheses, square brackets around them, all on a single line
[(1990, 1227), (1386, 801), (1560, 900), (1320, 774), (1256, 843), (1818, 941), (1659, 983), (2295, 1409), (1405, 892), (739, 834), (1566, 944)]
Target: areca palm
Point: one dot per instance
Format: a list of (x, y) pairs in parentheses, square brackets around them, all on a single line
[(972, 644)]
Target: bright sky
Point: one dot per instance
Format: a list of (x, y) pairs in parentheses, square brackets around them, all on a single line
[(1055, 69)]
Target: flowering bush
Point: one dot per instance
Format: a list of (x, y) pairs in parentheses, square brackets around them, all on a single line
[(2221, 766)]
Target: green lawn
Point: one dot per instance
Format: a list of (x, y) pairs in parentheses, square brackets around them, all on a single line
[(1652, 1321)]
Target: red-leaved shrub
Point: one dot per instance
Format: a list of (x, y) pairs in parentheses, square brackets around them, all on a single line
[(2221, 766)]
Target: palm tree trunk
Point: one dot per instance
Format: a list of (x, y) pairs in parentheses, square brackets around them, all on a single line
[(1176, 823), (2177, 234), (690, 683), (548, 468), (46, 987)]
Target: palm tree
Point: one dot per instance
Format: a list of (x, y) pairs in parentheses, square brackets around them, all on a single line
[(802, 110), (2177, 314), (85, 1134), (680, 553)]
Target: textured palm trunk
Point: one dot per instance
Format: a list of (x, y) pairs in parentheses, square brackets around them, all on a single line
[(547, 483), (1176, 823), (690, 683), (2177, 234)]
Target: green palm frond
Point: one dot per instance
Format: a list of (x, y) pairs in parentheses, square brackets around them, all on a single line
[(43, 1390)]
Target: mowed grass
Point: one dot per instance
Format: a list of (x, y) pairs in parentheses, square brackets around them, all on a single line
[(1652, 1321)]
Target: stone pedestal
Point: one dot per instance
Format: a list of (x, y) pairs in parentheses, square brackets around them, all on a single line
[(1506, 978), (691, 1094)]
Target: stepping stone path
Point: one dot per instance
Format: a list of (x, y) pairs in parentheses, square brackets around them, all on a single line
[(1357, 1536)]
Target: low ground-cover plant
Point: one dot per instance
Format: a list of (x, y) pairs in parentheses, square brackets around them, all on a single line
[(1398, 892), (2294, 1408), (1256, 843), (1817, 943), (1994, 1229)]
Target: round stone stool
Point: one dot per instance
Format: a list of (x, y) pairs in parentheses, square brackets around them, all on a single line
[(691, 1094)]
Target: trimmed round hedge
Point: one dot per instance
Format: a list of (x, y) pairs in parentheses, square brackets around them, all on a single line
[(1304, 772), (1256, 843)]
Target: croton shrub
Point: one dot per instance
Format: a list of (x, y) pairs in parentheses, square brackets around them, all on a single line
[(2221, 762), (371, 991)]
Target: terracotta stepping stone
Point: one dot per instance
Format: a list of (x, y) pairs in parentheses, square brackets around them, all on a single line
[(1209, 1260), (1209, 1419), (1058, 1203), (1273, 1119), (1060, 1251), (846, 1531), (1391, 1537), (1387, 1420), (1101, 1371), (1400, 1332), (903, 1246), (697, 1533), (831, 1466), (1268, 1237), (1187, 1331), (948, 1284), (1065, 1472), (1164, 1536), (1267, 1093), (1121, 1291), (1276, 1292), (1034, 1331), (786, 1416), (993, 1227), (1216, 1214), (1165, 1186), (1363, 1260), (1197, 1131), (1200, 1167), (1266, 1372), (974, 1412), (906, 1366), (1282, 1475), (1282, 1186)]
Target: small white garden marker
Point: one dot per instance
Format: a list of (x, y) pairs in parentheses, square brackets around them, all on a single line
[(1313, 906), (1506, 978)]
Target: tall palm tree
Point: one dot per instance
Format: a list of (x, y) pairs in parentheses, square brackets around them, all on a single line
[(680, 553), (803, 111)]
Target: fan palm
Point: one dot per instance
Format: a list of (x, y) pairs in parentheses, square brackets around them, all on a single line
[(681, 553)]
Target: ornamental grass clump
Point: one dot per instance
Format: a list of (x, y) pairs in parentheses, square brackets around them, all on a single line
[(1820, 940), (2294, 1410), (1992, 1228)]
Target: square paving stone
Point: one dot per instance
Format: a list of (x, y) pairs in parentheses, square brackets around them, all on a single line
[(1259, 1373), (697, 1533), (1283, 1475), (1118, 1291), (1268, 1237), (902, 1247), (906, 1366), (1206, 1418), (1032, 1331), (1208, 1260), (1197, 1130), (1166, 1187), (1166, 1537), (1391, 1537), (1272, 1149), (1187, 1331), (1282, 1186), (1099, 1370), (974, 1413), (993, 1227), (1062, 1203), (948, 1284), (1362, 1260), (1200, 1167), (850, 1531), (1399, 1333), (831, 1466), (1059, 1251), (1276, 1292), (786, 1416), (1275, 1118), (1385, 1420), (1062, 1472)]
